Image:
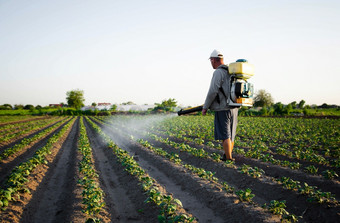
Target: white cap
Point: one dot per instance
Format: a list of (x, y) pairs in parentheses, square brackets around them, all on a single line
[(216, 53)]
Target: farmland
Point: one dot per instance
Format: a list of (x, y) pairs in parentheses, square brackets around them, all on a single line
[(165, 168)]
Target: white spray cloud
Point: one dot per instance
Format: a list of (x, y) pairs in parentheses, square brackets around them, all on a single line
[(134, 125)]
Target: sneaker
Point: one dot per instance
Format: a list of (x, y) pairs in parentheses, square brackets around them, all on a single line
[(224, 158)]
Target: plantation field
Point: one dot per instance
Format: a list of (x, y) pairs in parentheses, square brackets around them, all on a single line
[(165, 168)]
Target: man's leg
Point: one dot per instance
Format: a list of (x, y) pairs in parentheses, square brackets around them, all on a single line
[(228, 148)]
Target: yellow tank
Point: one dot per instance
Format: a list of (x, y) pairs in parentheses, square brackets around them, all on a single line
[(242, 70), (246, 101)]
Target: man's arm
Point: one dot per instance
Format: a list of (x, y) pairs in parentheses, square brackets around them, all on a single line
[(213, 89)]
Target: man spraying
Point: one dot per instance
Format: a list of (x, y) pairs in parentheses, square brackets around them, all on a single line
[(225, 121)]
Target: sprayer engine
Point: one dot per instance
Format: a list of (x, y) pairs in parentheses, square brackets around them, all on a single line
[(241, 91)]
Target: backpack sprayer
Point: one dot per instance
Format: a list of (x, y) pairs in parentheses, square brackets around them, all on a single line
[(241, 92)]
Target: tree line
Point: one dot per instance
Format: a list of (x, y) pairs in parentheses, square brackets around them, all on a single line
[(263, 101)]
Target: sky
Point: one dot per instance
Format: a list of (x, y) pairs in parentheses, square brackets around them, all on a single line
[(149, 51)]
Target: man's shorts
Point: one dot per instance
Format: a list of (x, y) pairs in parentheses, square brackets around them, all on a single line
[(225, 124)]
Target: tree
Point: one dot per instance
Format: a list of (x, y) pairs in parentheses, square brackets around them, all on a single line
[(166, 105), (278, 108), (263, 98), (8, 106), (293, 104), (128, 103), (18, 107), (75, 98), (28, 107), (301, 103), (94, 104), (288, 109), (113, 107)]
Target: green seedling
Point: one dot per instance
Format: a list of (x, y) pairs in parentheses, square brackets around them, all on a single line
[(311, 169), (329, 174), (245, 195)]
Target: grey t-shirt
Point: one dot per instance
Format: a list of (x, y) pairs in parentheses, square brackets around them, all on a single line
[(221, 77)]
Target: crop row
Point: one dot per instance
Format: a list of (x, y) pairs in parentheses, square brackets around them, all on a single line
[(5, 120), (29, 141), (18, 179), (260, 152), (93, 195), (170, 208), (4, 129), (24, 129)]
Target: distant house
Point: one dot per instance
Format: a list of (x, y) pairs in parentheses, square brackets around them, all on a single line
[(104, 106)]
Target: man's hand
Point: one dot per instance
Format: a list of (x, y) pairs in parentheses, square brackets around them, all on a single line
[(204, 111)]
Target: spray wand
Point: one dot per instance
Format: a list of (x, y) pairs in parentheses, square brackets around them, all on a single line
[(190, 110)]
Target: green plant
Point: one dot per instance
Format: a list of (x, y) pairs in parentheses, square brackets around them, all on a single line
[(216, 157), (254, 172), (199, 141), (311, 169), (245, 195), (289, 183), (277, 207), (329, 174), (210, 144), (321, 197), (306, 190), (227, 188)]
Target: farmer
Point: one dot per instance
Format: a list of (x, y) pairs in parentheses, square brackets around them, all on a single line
[(225, 116)]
